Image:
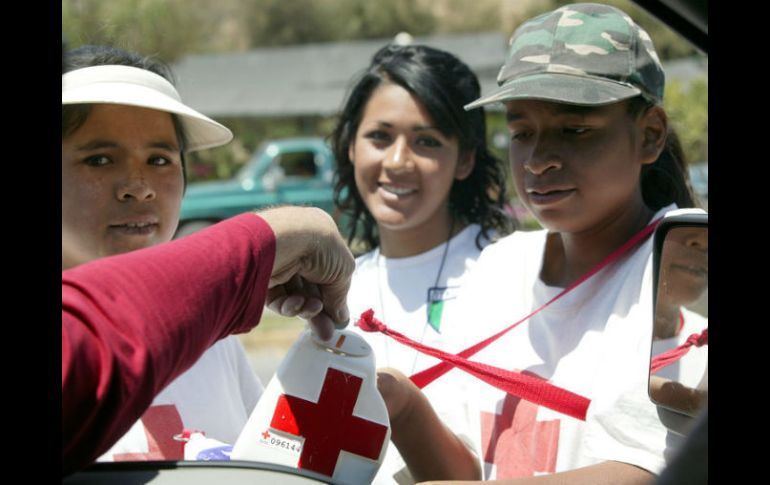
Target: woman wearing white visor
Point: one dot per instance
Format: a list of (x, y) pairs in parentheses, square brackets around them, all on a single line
[(124, 134)]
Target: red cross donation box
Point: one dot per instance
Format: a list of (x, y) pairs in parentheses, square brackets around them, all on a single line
[(321, 411)]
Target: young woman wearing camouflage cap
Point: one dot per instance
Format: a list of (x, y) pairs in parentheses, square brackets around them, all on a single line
[(582, 89)]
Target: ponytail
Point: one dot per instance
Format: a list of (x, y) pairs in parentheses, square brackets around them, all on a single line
[(666, 181)]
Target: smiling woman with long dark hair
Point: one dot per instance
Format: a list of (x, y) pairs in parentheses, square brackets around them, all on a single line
[(423, 194)]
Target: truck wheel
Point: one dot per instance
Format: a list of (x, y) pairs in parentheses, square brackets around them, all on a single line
[(187, 228)]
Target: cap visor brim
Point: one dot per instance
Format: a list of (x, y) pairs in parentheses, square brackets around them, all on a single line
[(560, 88), (201, 131)]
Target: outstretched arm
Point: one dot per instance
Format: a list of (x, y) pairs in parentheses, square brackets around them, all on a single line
[(429, 448), (133, 322)]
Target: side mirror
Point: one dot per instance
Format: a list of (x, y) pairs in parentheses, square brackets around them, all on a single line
[(678, 382)]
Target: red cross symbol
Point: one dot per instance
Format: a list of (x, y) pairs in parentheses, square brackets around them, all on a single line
[(329, 425), (516, 443), (160, 423)]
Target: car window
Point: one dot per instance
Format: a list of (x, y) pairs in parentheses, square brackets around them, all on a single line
[(297, 164), (238, 87)]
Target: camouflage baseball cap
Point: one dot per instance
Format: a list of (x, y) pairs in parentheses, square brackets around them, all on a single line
[(584, 54)]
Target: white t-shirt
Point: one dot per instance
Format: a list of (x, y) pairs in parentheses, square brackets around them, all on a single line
[(594, 341), (397, 290), (216, 396)]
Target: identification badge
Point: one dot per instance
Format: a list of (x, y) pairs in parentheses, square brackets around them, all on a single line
[(437, 295)]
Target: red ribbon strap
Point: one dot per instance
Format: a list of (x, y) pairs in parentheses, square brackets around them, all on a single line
[(527, 387), (521, 385), (425, 377), (669, 357)]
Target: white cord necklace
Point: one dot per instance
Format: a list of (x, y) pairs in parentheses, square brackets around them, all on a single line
[(382, 301)]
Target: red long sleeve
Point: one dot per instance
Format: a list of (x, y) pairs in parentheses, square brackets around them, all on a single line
[(132, 323)]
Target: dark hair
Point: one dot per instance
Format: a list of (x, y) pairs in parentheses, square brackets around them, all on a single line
[(74, 115), (443, 84), (667, 180)]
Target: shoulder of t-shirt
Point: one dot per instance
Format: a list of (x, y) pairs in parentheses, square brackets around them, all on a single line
[(693, 321), (517, 241), (229, 344), (366, 259), (672, 210), (220, 351)]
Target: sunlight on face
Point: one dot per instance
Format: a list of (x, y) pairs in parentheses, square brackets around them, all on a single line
[(122, 182), (404, 166), (574, 167)]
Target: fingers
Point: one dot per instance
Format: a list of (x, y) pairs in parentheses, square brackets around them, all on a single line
[(394, 389), (335, 271), (312, 268), (310, 308), (295, 298), (280, 277), (327, 276), (298, 298), (385, 385), (392, 374), (275, 298), (322, 326), (334, 298)]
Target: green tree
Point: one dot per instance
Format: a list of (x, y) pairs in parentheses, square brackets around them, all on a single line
[(164, 28), (687, 108), (280, 22), (485, 16), (170, 29), (173, 28)]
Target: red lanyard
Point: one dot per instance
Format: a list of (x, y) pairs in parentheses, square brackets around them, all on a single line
[(516, 383), (522, 385), (669, 357)]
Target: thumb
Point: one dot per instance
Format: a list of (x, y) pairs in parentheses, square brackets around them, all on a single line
[(335, 313), (334, 297), (331, 271)]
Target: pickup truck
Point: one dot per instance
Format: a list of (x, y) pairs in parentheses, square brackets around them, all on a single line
[(295, 171)]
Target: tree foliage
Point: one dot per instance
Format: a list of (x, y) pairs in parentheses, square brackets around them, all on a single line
[(687, 108), (280, 22), (166, 28), (173, 28)]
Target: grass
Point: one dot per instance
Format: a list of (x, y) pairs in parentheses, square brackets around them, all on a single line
[(273, 331)]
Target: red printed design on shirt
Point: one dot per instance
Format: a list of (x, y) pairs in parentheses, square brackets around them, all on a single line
[(161, 424), (516, 443)]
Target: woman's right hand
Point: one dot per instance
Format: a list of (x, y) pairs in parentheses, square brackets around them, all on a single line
[(312, 268), (428, 447), (396, 390)]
